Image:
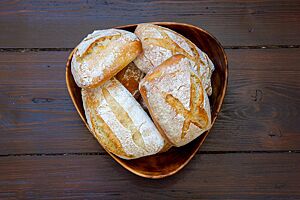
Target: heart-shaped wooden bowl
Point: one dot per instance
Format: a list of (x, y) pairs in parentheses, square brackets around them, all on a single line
[(170, 162)]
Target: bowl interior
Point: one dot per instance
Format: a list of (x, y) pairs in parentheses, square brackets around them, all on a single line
[(168, 163)]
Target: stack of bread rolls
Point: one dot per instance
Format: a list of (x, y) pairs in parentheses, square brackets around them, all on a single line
[(143, 92)]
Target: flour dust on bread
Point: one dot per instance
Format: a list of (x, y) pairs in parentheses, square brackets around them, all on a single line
[(102, 54), (161, 43), (118, 121), (177, 100)]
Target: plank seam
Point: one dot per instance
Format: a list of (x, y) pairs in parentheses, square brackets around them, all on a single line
[(225, 47), (103, 153)]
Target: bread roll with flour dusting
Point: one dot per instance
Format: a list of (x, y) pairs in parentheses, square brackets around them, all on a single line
[(160, 43), (118, 121), (176, 100), (102, 54)]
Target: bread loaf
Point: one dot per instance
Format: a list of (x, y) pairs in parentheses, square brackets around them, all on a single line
[(161, 43), (101, 55), (118, 121), (176, 100)]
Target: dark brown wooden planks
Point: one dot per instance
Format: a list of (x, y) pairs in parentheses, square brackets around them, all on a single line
[(236, 176), (63, 24), (260, 112), (36, 113)]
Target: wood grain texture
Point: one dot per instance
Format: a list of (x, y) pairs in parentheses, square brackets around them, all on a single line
[(61, 24), (262, 106), (236, 176), (260, 112)]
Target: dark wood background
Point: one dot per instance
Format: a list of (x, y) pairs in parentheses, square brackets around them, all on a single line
[(253, 151)]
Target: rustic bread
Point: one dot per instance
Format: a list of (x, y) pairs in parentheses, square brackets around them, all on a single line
[(176, 100), (161, 43), (118, 121), (102, 54)]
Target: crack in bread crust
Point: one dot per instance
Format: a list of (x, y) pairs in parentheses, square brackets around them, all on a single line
[(123, 117), (168, 43), (160, 43), (105, 135), (196, 115), (102, 54), (102, 44)]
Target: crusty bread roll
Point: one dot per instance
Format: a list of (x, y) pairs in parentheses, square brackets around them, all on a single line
[(102, 54), (176, 100), (118, 121), (130, 77), (161, 43)]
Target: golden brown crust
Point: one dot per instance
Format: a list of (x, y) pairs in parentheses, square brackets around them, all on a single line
[(101, 55), (106, 137), (156, 73), (119, 123), (129, 53), (130, 77), (160, 43), (143, 92), (176, 100)]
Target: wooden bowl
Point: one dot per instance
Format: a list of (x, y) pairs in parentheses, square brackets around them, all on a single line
[(170, 162)]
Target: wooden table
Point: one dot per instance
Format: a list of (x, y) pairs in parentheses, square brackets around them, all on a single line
[(253, 151)]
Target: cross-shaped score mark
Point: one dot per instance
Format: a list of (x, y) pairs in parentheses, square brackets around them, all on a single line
[(196, 115)]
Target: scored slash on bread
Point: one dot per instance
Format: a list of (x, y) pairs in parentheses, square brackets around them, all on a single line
[(160, 43), (119, 123), (102, 54), (176, 100)]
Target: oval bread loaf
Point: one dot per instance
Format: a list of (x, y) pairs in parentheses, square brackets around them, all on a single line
[(102, 54), (160, 43), (118, 121), (176, 100)]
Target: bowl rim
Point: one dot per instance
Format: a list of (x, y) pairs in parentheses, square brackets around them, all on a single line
[(205, 134)]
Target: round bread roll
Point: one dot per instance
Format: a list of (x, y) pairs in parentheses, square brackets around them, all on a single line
[(119, 123), (102, 54), (161, 43), (176, 100)]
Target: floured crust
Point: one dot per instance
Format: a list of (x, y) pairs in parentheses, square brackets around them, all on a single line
[(161, 43), (119, 123), (130, 78), (177, 101), (102, 54)]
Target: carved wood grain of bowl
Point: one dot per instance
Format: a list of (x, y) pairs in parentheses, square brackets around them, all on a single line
[(170, 162)]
